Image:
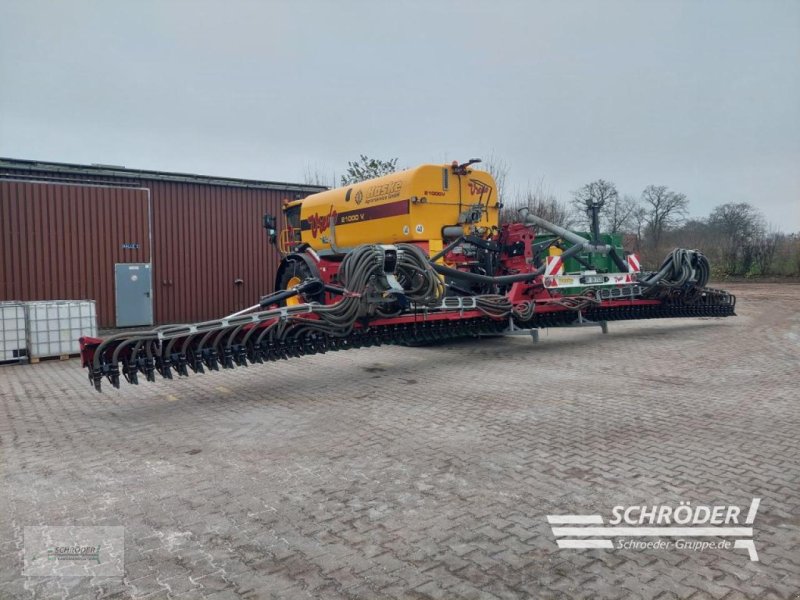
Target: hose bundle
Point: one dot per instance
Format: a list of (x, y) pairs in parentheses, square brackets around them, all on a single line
[(421, 283), (681, 268), (493, 305), (576, 302), (365, 281)]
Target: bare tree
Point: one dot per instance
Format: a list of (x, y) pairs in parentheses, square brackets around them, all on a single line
[(738, 227), (639, 224), (313, 175), (541, 202), (694, 233), (766, 247), (618, 213), (498, 168), (597, 193), (794, 250), (665, 210)]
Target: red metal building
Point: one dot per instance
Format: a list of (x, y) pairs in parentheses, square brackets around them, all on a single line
[(68, 231)]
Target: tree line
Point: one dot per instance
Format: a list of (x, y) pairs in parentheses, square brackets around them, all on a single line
[(735, 235)]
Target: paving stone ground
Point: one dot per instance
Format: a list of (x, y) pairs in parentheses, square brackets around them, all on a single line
[(421, 472)]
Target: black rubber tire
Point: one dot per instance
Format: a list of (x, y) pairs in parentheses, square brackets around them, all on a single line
[(295, 268)]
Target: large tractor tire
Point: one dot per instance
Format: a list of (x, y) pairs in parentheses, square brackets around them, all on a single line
[(293, 271)]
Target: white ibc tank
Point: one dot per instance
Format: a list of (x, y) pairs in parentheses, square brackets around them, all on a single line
[(13, 345), (55, 326)]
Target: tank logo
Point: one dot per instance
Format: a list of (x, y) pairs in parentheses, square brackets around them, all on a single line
[(359, 197), (320, 224), (478, 188), (384, 192)]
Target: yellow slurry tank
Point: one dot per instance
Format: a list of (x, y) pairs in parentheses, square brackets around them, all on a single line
[(415, 205)]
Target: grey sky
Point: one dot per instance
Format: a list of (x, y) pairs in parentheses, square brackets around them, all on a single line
[(701, 96)]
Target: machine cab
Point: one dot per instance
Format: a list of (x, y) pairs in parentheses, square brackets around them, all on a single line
[(290, 235)]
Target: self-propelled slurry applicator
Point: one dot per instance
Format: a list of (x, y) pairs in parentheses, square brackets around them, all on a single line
[(416, 257)]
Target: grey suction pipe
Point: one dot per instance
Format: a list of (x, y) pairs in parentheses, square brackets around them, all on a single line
[(573, 238)]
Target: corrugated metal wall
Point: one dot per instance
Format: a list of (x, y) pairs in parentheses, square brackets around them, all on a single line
[(61, 241), (204, 238)]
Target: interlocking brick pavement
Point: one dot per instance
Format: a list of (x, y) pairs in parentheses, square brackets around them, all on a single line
[(421, 472)]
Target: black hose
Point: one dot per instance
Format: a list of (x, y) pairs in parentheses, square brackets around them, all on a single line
[(503, 279), (680, 268), (446, 249), (486, 279), (617, 260)]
